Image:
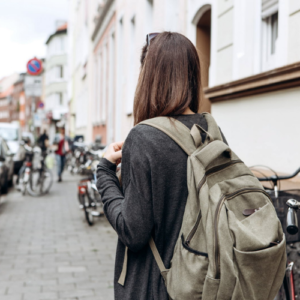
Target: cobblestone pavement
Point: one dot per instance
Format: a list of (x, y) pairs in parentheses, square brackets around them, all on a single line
[(47, 250)]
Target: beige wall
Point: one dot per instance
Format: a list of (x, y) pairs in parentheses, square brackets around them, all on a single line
[(263, 129), (294, 35)]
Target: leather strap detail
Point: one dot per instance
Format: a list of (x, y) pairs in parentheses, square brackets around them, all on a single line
[(249, 211), (157, 257), (124, 269)]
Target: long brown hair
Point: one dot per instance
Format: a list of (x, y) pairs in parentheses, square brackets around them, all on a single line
[(169, 80)]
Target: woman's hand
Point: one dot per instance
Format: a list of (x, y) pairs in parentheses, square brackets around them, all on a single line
[(114, 152)]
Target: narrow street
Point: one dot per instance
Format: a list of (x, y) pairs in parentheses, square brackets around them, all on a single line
[(47, 250)]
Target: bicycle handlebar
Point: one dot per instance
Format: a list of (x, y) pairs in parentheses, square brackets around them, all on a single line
[(292, 221), (276, 178)]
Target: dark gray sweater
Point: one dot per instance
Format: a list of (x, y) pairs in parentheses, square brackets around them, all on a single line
[(151, 202)]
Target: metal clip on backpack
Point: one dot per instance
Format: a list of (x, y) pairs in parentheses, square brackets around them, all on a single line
[(231, 244)]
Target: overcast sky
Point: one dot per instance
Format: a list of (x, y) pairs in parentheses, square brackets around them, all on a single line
[(24, 28)]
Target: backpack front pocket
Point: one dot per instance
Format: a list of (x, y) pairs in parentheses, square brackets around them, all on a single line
[(247, 232), (258, 244), (260, 273)]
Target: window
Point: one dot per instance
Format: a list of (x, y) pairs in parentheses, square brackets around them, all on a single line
[(269, 33), (4, 102), (120, 76), (104, 84), (62, 44), (60, 71), (60, 98), (111, 89), (274, 31), (132, 69), (149, 15)]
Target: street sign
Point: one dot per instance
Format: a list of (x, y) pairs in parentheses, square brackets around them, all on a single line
[(34, 66), (41, 104)]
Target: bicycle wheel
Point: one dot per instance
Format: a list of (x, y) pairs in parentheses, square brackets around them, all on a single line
[(21, 184), (88, 211), (34, 183), (47, 180)]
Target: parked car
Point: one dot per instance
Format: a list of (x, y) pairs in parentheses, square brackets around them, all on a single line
[(6, 166), (10, 132)]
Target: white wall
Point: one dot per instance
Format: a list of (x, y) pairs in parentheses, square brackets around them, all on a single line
[(293, 29), (82, 65), (263, 129), (58, 45)]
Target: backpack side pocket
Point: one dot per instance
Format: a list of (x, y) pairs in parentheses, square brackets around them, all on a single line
[(186, 276)]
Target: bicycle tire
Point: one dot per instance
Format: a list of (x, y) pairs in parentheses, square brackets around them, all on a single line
[(36, 186), (31, 187), (47, 173), (87, 213)]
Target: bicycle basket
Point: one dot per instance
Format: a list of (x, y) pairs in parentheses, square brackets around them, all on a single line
[(282, 208)]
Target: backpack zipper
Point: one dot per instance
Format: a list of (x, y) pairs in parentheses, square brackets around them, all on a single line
[(200, 184), (222, 167), (216, 223)]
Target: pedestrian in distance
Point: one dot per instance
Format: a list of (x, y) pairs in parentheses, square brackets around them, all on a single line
[(177, 228), (62, 148), (43, 142)]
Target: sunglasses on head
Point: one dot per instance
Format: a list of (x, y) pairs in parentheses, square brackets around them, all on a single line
[(151, 36)]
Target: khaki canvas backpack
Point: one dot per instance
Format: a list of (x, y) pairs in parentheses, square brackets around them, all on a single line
[(231, 244)]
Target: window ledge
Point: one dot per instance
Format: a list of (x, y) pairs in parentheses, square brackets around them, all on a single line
[(274, 80)]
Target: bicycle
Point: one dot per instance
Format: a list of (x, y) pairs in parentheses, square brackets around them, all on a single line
[(88, 196), (287, 204), (35, 177)]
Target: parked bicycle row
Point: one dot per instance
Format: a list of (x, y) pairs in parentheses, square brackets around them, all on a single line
[(33, 163), (83, 160)]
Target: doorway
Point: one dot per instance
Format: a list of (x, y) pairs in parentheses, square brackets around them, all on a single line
[(203, 34)]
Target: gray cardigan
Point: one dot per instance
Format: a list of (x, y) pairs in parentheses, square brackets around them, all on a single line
[(151, 202)]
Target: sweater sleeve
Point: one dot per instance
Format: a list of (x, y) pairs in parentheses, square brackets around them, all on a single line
[(129, 212)]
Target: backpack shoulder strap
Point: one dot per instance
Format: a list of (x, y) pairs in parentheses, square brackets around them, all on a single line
[(213, 128), (175, 130)]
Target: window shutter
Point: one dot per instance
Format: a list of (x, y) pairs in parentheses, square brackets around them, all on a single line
[(268, 8)]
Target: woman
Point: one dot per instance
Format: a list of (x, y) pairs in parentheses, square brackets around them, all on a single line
[(62, 149), (154, 189)]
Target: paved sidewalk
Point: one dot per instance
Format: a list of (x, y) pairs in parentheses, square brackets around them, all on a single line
[(47, 250)]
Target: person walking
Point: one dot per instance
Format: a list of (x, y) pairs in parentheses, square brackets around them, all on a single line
[(62, 143), (43, 141), (152, 198)]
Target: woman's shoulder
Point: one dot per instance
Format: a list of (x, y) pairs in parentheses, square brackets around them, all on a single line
[(142, 134), (147, 132)]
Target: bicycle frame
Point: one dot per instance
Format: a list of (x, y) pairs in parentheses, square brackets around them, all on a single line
[(289, 285)]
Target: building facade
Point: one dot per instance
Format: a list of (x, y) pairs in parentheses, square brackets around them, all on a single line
[(254, 79), (56, 76), (104, 72), (7, 103), (82, 21), (20, 101), (250, 69)]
